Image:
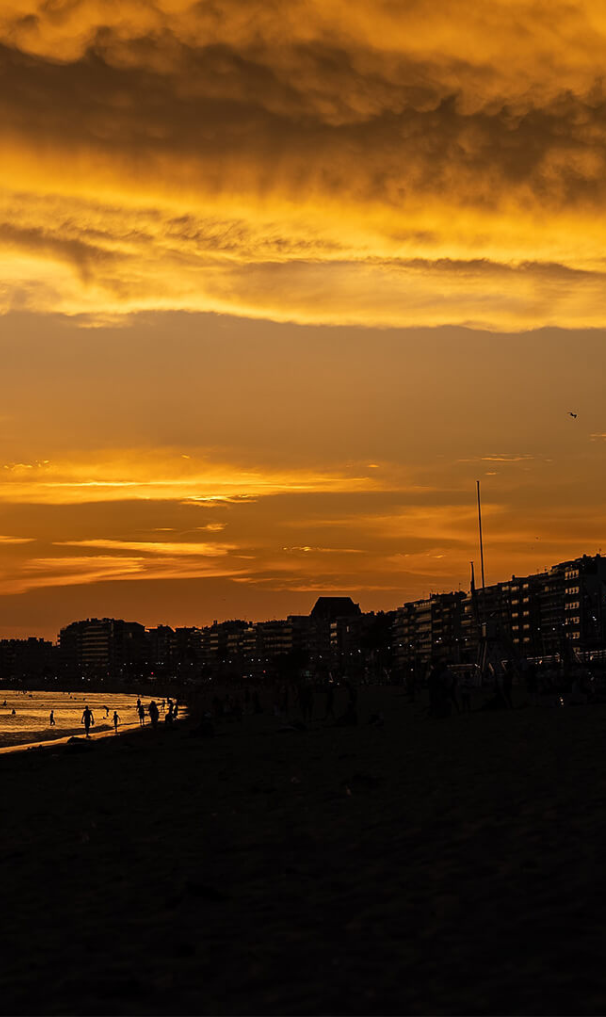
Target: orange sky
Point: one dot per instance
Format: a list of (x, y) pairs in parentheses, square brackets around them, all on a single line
[(278, 282)]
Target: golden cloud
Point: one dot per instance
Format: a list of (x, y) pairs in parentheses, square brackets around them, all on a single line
[(314, 161), (166, 476)]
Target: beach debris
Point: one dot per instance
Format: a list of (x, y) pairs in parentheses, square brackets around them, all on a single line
[(205, 891), (76, 744)]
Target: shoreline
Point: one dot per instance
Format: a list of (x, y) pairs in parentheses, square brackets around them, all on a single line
[(40, 734), (63, 739)]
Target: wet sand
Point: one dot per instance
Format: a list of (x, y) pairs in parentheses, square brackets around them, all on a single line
[(23, 741), (430, 867)]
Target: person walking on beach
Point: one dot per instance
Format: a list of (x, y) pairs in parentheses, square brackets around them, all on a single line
[(330, 702), (141, 712), (154, 713), (116, 721), (465, 692), (52, 718), (87, 720), (106, 708)]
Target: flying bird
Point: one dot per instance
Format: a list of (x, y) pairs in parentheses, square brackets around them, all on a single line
[(575, 415)]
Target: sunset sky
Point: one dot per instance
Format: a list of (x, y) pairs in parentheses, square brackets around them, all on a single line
[(278, 282)]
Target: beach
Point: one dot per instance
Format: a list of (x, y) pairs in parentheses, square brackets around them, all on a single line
[(25, 715), (429, 866)]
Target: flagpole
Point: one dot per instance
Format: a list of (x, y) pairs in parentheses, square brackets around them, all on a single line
[(480, 529)]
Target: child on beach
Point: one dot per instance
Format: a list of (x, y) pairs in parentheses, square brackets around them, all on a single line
[(116, 721)]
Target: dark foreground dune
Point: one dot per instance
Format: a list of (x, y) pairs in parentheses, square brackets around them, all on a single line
[(430, 867)]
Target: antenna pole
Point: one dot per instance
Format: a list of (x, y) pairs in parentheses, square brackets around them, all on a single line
[(480, 529)]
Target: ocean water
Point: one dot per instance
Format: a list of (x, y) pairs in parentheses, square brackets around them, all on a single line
[(31, 719)]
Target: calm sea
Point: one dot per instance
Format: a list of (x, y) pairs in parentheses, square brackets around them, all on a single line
[(31, 720)]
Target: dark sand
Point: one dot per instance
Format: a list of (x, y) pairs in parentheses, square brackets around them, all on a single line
[(431, 867)]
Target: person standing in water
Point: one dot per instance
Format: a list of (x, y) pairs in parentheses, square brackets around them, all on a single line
[(116, 721), (52, 718), (153, 713), (141, 712), (87, 720)]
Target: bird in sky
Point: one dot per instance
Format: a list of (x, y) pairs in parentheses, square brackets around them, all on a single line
[(575, 415)]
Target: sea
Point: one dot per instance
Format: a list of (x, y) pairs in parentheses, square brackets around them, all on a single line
[(25, 716)]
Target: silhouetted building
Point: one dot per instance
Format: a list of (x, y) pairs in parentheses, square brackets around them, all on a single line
[(426, 629), (22, 659), (102, 646), (161, 649)]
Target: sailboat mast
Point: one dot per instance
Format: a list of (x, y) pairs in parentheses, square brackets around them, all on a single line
[(480, 530)]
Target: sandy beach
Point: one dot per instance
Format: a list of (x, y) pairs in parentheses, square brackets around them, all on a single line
[(429, 866)]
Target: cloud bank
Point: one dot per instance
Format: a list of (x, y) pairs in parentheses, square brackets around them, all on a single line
[(310, 161)]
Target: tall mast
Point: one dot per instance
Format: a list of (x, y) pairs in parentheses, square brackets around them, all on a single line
[(480, 529)]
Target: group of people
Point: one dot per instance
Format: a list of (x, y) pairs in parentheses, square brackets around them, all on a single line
[(170, 708), (288, 700)]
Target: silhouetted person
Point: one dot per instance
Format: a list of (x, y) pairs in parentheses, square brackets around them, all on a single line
[(330, 703), (448, 680), (435, 686), (507, 685), (154, 713), (116, 721), (13, 712), (532, 683), (106, 708), (52, 718), (465, 693), (87, 720), (306, 702), (141, 712)]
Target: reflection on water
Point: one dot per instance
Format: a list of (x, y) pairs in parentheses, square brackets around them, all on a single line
[(30, 720)]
